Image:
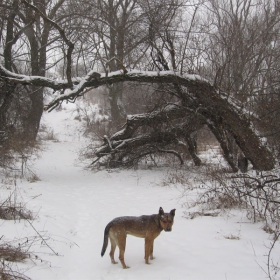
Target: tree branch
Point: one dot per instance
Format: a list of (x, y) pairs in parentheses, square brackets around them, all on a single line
[(198, 95), (63, 36)]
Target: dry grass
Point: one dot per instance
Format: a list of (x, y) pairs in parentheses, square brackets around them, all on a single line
[(15, 213), (46, 133), (258, 193), (176, 177), (6, 273), (13, 208), (33, 178), (232, 237), (12, 254)]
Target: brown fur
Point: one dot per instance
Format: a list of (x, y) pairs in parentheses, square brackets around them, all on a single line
[(148, 227)]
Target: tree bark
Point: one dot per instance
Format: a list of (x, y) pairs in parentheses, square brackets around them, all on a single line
[(7, 87)]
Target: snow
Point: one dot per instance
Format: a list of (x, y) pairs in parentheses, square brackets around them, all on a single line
[(139, 73), (73, 205), (80, 83)]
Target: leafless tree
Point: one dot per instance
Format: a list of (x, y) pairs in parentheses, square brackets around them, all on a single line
[(26, 38), (29, 30), (241, 48), (118, 34), (229, 41)]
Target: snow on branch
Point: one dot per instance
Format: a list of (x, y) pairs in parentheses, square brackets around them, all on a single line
[(132, 75), (133, 122), (32, 80), (94, 79), (197, 96)]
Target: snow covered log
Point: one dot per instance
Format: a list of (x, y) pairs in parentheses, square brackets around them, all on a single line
[(126, 148), (197, 96)]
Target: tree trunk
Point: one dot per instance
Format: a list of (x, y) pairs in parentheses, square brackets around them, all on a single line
[(118, 114), (193, 151), (6, 97), (33, 118)]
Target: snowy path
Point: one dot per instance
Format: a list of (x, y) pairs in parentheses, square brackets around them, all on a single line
[(74, 205), (79, 204)]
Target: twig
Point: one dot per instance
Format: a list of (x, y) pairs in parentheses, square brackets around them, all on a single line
[(119, 62), (106, 139), (63, 36), (42, 238), (269, 254)]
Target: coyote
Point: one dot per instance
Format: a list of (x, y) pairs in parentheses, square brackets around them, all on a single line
[(148, 227)]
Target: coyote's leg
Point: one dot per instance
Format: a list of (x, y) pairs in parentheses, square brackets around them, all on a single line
[(151, 251), (121, 244), (112, 252), (148, 248)]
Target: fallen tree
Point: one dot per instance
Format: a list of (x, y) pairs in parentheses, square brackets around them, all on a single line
[(198, 103)]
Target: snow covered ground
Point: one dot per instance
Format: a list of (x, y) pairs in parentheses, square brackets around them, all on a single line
[(73, 206)]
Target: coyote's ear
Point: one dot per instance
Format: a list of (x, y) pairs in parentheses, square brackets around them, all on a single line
[(172, 212), (161, 212)]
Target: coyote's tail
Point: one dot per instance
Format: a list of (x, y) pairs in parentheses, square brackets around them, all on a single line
[(105, 242)]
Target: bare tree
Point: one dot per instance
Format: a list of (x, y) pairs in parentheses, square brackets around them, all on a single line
[(198, 97), (240, 51), (26, 29), (192, 101), (110, 35), (242, 41), (119, 33)]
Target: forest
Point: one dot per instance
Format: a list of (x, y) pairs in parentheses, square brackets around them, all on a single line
[(187, 64), (166, 76)]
